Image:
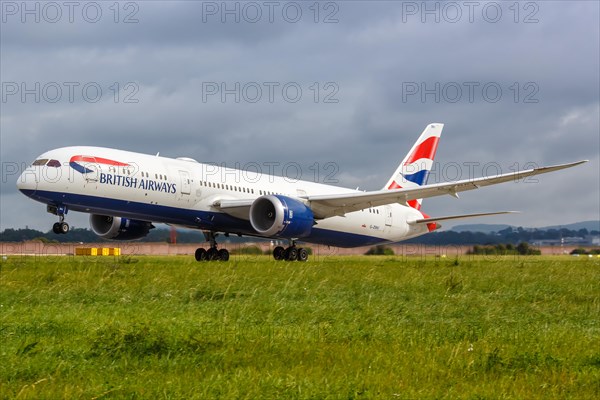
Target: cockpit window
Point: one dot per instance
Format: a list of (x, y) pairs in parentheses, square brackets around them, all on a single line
[(54, 163), (41, 161)]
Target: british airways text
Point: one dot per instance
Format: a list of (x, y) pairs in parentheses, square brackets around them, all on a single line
[(145, 184)]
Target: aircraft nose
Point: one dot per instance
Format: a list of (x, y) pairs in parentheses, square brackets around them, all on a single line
[(28, 181)]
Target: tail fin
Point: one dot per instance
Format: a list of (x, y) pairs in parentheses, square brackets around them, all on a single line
[(414, 169)]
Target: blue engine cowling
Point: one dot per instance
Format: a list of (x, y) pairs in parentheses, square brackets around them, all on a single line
[(281, 216), (118, 228)]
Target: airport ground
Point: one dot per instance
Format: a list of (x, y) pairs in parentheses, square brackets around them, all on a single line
[(512, 327)]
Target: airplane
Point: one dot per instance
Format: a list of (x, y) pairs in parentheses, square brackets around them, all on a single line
[(126, 192)]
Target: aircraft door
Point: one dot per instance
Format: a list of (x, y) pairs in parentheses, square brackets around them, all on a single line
[(186, 184), (388, 215)]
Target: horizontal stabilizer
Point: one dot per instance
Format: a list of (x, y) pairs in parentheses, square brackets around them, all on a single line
[(438, 219)]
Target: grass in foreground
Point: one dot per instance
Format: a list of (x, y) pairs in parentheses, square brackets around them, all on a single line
[(336, 327)]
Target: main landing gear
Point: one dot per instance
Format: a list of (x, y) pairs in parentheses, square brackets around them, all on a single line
[(212, 254), (290, 253), (60, 227)]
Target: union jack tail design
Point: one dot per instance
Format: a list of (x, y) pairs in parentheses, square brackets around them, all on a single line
[(414, 169)]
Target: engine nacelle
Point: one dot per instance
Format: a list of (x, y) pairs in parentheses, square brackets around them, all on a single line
[(281, 216), (118, 228)]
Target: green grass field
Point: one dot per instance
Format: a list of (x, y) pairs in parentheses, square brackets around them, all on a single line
[(335, 327)]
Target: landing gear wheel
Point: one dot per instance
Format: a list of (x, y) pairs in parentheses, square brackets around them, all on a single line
[(223, 255), (279, 253), (291, 254), (200, 254), (212, 254), (302, 255), (60, 227)]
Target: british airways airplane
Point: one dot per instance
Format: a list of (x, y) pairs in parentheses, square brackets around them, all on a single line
[(125, 192)]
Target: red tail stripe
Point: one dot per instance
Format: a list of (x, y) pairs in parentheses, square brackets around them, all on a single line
[(426, 149), (412, 203), (432, 226)]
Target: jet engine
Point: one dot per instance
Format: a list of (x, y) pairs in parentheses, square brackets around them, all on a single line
[(118, 228), (281, 216)]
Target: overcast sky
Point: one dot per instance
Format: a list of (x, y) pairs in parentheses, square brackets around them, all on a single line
[(342, 88)]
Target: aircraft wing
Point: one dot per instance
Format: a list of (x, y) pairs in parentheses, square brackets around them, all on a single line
[(324, 206), (236, 208)]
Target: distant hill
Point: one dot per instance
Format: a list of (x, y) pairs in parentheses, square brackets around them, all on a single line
[(589, 225), (485, 228), (488, 228)]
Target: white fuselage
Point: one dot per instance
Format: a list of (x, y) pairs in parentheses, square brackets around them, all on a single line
[(183, 192)]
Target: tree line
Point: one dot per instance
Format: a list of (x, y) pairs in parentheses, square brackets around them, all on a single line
[(506, 236)]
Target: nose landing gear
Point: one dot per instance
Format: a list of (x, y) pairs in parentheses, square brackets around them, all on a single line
[(60, 227)]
